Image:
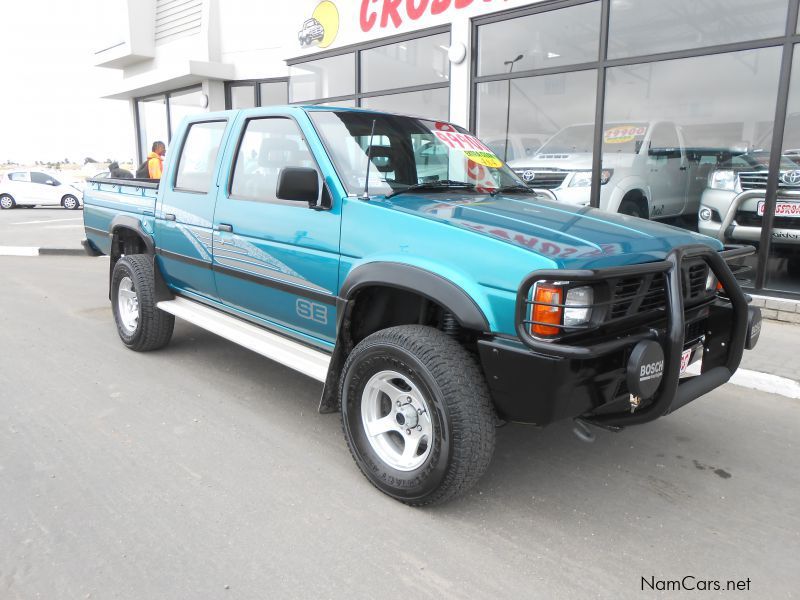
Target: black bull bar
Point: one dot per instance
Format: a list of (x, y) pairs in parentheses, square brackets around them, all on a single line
[(672, 393)]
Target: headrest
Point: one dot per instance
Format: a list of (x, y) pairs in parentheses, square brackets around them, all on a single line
[(275, 152), (382, 157)]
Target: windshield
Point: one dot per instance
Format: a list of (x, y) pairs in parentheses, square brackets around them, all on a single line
[(617, 137), (407, 152)]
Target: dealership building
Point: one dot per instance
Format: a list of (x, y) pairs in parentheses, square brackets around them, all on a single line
[(687, 110)]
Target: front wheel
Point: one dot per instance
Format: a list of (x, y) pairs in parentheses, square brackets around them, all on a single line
[(70, 202), (7, 202), (140, 324), (416, 414)]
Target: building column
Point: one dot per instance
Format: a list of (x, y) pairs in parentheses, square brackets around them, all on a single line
[(460, 33)]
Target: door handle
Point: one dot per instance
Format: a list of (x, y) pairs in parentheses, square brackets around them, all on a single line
[(224, 227), (684, 168), (169, 216)]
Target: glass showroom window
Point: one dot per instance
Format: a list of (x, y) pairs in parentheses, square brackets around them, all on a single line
[(430, 104), (640, 27), (783, 266), (183, 104), (257, 93), (687, 130), (152, 116), (323, 78), (542, 40), (242, 95), (543, 128), (408, 63)]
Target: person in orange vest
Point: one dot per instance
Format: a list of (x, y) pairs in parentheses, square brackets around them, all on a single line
[(155, 160)]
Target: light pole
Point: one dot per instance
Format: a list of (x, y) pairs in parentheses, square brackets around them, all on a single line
[(510, 64)]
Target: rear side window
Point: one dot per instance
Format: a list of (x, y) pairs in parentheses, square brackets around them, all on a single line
[(19, 176), (268, 145), (199, 156), (43, 178)]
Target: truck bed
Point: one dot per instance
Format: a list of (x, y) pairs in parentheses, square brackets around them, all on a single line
[(106, 200)]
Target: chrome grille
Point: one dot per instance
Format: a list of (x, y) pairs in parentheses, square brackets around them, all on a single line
[(757, 180), (543, 179)]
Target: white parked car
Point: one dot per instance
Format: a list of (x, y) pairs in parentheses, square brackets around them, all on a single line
[(37, 188)]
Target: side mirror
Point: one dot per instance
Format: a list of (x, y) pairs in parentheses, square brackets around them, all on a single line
[(299, 184)]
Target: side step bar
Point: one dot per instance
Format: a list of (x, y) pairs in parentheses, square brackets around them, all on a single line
[(276, 347)]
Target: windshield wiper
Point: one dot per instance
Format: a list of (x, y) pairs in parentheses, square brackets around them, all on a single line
[(439, 184), (512, 188)]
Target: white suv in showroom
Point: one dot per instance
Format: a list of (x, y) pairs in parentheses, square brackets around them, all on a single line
[(35, 188)]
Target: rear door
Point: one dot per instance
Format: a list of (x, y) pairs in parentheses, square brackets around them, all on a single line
[(186, 209), (669, 176), (274, 259), (18, 185)]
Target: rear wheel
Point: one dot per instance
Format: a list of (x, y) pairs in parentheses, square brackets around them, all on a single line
[(70, 202), (7, 202), (140, 324), (416, 414)]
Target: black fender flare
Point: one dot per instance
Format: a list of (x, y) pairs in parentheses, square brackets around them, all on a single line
[(134, 224), (400, 276)]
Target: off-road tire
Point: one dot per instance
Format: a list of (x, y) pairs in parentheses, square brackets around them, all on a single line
[(462, 417), (7, 201), (154, 327)]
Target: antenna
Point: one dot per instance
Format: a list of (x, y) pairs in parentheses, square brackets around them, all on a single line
[(365, 195)]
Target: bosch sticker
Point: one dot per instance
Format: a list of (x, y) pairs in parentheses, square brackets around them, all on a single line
[(622, 134)]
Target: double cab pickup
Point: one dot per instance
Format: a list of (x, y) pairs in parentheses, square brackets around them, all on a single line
[(399, 262)]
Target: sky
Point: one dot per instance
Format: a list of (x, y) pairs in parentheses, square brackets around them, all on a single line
[(50, 94)]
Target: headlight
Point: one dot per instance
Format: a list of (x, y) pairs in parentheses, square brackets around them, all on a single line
[(580, 298), (722, 180), (584, 178)]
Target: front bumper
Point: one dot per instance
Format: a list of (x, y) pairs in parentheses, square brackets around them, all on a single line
[(728, 229), (535, 381)]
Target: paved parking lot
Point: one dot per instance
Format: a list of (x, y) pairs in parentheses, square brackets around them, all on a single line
[(41, 227), (204, 471)]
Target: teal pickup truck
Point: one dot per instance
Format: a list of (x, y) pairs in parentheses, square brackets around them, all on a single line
[(401, 263)]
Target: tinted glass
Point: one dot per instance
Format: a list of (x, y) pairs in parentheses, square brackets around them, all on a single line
[(408, 63), (43, 178), (707, 121), (19, 176), (549, 39), (199, 156), (649, 26), (431, 104), (268, 145), (783, 266), (152, 122), (323, 78), (540, 108), (274, 92), (243, 96), (184, 104)]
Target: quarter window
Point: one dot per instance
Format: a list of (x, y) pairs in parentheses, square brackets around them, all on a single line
[(19, 176), (199, 156), (268, 145)]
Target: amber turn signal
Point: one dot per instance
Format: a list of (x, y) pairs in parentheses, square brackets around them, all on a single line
[(542, 314)]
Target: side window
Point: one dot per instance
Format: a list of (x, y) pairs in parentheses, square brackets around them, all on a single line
[(268, 145), (199, 156), (664, 138), (43, 178), (19, 176)]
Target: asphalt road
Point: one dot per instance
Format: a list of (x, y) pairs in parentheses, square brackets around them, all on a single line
[(204, 471), (41, 226)]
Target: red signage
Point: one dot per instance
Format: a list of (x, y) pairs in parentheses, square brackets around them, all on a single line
[(392, 13)]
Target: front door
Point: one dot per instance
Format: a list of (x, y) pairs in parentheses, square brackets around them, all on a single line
[(274, 259), (185, 214)]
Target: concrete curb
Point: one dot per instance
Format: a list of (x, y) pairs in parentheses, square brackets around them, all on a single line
[(38, 251), (778, 309)]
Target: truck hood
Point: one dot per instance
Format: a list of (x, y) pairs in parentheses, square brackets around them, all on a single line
[(572, 237)]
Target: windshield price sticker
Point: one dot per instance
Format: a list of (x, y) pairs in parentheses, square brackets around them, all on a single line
[(623, 134), (782, 209), (472, 147)]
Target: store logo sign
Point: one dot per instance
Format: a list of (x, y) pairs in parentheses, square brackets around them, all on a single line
[(791, 177), (321, 28)]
